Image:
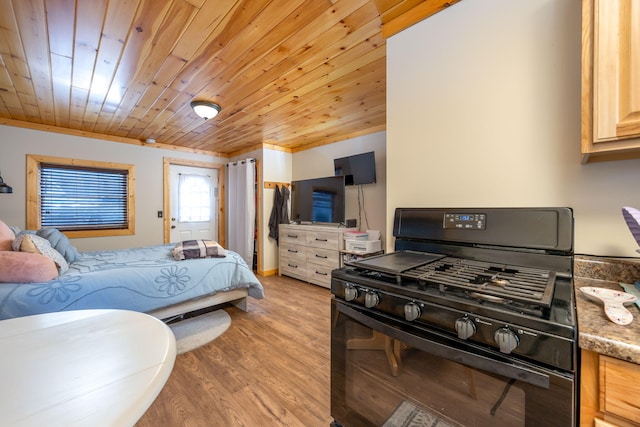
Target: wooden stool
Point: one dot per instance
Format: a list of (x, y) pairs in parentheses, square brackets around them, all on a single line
[(393, 351), (379, 341)]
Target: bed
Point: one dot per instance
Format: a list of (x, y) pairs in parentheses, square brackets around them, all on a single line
[(146, 279)]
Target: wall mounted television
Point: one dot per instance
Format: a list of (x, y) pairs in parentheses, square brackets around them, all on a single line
[(357, 169), (318, 200)]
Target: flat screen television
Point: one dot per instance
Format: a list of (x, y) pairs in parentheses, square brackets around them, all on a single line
[(318, 200), (357, 169)]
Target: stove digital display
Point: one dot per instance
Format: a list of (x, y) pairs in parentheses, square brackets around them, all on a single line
[(465, 221)]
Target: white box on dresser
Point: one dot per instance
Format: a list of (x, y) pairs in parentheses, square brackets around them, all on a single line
[(363, 246), (310, 252)]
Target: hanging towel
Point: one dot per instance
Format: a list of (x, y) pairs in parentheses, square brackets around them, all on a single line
[(279, 211), (284, 212)]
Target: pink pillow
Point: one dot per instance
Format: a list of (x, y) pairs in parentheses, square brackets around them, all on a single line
[(26, 267), (6, 237)]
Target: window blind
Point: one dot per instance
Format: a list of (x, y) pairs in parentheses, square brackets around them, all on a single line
[(82, 198)]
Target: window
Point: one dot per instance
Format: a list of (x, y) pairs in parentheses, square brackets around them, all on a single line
[(81, 198), (194, 194)]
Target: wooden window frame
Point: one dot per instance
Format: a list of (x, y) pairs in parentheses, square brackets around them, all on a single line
[(33, 194)]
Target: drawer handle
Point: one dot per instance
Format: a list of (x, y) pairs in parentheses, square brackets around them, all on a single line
[(320, 273), (292, 266), (293, 236), (292, 251), (321, 240), (321, 256)]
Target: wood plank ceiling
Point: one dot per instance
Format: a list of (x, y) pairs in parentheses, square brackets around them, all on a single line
[(292, 74)]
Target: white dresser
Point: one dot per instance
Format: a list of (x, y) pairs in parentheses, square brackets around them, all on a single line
[(310, 252)]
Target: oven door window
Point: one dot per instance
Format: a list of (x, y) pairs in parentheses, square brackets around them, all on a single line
[(386, 374)]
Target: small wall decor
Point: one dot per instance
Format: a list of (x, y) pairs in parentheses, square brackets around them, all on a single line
[(4, 188)]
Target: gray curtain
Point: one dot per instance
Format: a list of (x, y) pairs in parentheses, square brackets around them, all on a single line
[(241, 209)]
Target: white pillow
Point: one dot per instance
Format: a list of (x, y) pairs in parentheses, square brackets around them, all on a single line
[(39, 245)]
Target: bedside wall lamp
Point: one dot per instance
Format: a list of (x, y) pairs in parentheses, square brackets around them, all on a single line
[(205, 109), (4, 188)]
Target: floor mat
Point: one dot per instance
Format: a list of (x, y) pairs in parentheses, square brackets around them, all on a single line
[(197, 331), (409, 415)]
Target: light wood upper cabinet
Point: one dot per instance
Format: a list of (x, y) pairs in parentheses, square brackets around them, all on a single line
[(610, 79)]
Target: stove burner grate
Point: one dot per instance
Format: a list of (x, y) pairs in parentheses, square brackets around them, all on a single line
[(521, 284)]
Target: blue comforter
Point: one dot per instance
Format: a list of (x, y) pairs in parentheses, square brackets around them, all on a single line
[(140, 279)]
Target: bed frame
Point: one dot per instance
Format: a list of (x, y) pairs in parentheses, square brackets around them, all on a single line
[(237, 297)]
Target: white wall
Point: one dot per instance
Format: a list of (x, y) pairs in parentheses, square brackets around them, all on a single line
[(483, 109), (277, 166), (318, 162), (16, 143)]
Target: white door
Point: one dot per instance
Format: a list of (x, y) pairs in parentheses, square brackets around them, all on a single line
[(194, 203)]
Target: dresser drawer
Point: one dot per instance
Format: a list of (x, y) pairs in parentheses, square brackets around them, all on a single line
[(319, 239), (294, 268), (319, 274), (326, 257), (296, 252), (293, 236)]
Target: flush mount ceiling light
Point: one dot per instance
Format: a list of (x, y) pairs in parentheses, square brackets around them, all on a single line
[(205, 109)]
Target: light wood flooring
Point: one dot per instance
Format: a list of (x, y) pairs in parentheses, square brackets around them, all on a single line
[(270, 368)]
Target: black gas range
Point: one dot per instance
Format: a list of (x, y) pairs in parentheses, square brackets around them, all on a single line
[(491, 282), (500, 277)]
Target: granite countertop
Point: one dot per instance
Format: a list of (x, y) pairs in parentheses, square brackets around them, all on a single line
[(595, 331)]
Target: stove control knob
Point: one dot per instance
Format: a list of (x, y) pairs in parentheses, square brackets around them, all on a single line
[(506, 339), (371, 299), (412, 311), (350, 293), (465, 327)]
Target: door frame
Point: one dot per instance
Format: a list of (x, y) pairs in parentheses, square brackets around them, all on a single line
[(167, 162)]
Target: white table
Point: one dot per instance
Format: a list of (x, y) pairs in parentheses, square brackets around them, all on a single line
[(82, 368)]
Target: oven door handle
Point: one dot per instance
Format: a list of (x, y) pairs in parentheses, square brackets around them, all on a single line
[(477, 361)]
